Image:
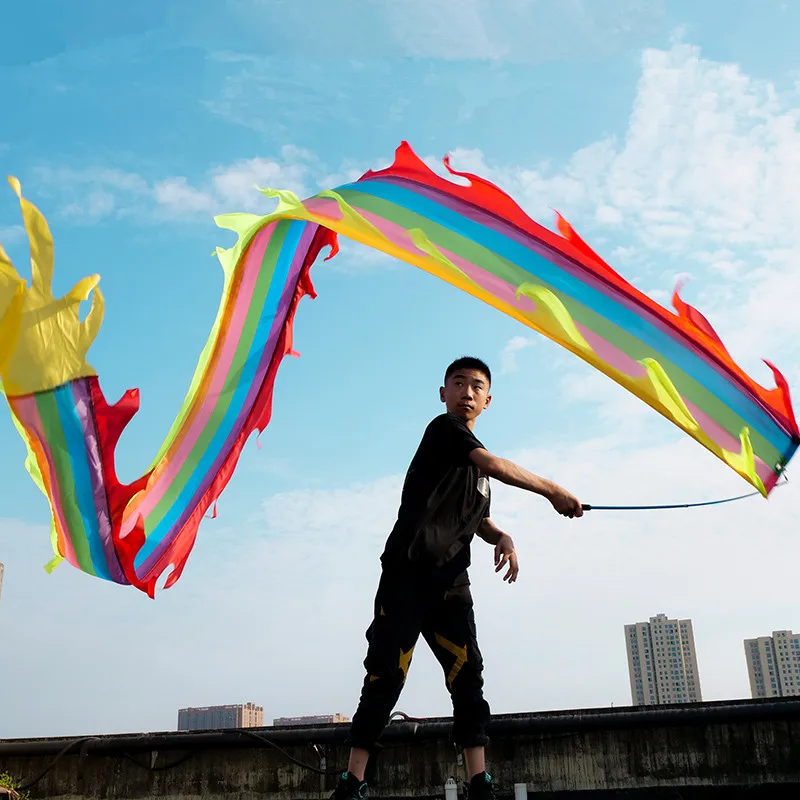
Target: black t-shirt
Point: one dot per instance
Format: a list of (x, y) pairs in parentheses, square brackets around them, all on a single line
[(445, 497)]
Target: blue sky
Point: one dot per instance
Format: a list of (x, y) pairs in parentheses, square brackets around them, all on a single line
[(667, 133)]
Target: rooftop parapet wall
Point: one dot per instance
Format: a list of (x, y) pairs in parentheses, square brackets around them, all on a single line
[(702, 750)]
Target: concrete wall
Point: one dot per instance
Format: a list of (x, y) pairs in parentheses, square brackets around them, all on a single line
[(703, 750)]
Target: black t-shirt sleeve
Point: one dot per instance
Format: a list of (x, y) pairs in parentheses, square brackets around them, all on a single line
[(451, 435)]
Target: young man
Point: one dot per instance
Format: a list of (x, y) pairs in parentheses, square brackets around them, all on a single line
[(424, 585)]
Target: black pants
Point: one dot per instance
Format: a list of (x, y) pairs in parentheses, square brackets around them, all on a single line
[(408, 604)]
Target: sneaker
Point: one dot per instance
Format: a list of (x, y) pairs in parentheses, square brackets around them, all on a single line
[(480, 787), (349, 788)]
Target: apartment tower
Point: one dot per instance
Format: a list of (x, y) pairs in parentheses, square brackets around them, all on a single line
[(773, 664), (662, 663)]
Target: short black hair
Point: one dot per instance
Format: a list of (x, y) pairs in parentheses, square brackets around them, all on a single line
[(468, 362)]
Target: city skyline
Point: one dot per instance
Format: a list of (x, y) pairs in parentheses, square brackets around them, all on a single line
[(245, 715), (242, 715), (662, 663)]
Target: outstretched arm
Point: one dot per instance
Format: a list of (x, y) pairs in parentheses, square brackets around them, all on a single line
[(512, 474)]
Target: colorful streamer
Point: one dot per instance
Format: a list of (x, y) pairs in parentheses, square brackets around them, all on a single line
[(473, 236)]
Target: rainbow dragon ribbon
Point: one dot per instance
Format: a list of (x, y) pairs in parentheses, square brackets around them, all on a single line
[(473, 236)]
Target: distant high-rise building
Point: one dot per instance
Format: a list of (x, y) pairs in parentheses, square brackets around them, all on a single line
[(323, 719), (662, 662), (773, 664), (248, 715)]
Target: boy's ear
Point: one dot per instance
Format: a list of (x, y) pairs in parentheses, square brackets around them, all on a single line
[(441, 393)]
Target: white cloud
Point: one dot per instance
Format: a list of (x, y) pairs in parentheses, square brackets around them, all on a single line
[(176, 194), (608, 215), (724, 261), (64, 177), (350, 170), (13, 233), (235, 183), (707, 174), (91, 194), (234, 187), (508, 355), (355, 259), (98, 203), (611, 406), (708, 152)]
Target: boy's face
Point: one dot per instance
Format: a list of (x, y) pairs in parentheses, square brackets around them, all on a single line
[(466, 394)]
